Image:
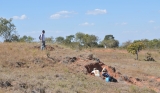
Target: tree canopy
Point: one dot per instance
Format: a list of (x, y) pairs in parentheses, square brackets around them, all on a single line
[(110, 42), (135, 47), (26, 39), (7, 29), (60, 39), (86, 40)]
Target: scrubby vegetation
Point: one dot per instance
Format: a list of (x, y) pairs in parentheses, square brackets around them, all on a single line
[(24, 68)]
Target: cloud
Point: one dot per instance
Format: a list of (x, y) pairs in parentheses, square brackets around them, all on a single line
[(96, 12), (156, 27), (58, 31), (87, 24), (22, 17), (123, 23), (55, 16), (151, 21), (62, 14)]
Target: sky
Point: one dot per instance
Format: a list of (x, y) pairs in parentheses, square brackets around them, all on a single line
[(124, 19)]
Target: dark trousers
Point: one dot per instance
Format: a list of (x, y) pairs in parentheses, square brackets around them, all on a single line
[(105, 75), (43, 45)]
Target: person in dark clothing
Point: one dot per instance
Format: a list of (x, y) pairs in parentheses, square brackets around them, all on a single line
[(105, 75)]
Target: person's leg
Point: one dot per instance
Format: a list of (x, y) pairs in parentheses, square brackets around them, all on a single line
[(42, 45)]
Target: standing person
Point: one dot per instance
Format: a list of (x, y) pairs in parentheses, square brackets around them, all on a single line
[(42, 38)]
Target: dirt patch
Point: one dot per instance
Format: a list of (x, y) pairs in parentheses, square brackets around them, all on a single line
[(158, 79), (86, 64), (89, 62), (116, 76), (90, 66)]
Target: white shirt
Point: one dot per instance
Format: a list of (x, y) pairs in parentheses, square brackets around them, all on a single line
[(96, 73), (42, 37)]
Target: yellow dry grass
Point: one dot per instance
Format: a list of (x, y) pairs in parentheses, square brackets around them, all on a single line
[(39, 72)]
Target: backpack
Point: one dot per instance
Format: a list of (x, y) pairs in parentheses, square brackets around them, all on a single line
[(40, 37)]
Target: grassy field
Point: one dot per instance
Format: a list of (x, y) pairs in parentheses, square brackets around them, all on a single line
[(24, 68)]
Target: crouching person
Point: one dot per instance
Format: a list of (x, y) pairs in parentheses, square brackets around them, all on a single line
[(105, 75), (96, 72)]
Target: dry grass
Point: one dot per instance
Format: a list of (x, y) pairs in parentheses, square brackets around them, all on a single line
[(125, 62), (37, 72)]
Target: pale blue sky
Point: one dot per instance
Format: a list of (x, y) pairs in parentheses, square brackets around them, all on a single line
[(124, 19)]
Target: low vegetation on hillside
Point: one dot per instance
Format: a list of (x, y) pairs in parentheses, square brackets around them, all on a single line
[(24, 68)]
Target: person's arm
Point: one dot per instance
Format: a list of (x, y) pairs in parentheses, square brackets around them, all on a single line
[(92, 72), (103, 69)]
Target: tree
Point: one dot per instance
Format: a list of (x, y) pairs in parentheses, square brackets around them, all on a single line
[(146, 43), (79, 37), (86, 40), (90, 40), (135, 47), (23, 39), (15, 38), (68, 39), (155, 43), (59, 39), (30, 39), (152, 44), (7, 29), (108, 37), (49, 39), (26, 39), (110, 42), (125, 44)]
